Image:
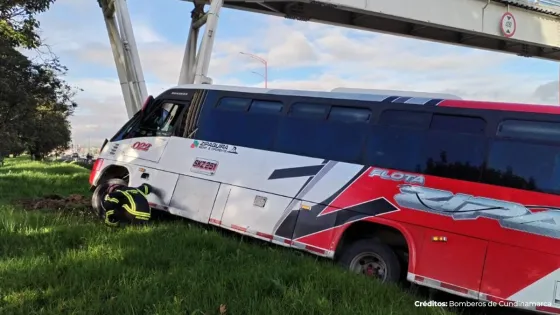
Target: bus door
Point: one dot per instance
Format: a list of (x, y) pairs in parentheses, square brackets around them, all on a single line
[(193, 197)]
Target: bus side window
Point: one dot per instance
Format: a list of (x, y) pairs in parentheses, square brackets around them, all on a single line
[(306, 110), (533, 130), (234, 103), (396, 140), (523, 165), (519, 158), (405, 119), (461, 124), (266, 107), (300, 134), (350, 114), (431, 152), (237, 126), (455, 147)]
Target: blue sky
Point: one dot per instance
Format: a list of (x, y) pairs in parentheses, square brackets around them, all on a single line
[(300, 55)]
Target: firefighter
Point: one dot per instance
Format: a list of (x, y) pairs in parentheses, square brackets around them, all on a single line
[(124, 205)]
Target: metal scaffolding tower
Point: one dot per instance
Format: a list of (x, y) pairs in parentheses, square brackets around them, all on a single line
[(194, 68), (125, 53), (195, 65)]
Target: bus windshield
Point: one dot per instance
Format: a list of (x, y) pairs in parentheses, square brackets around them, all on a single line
[(160, 122)]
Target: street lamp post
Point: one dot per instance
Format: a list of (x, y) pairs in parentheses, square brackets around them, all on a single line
[(264, 62)]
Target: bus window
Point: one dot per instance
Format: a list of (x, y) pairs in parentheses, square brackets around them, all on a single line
[(236, 127), (158, 123), (405, 118), (320, 138), (127, 128), (428, 152), (453, 154), (349, 114), (524, 166), (168, 119), (394, 148), (233, 103), (266, 107), (463, 124), (534, 130), (306, 110)]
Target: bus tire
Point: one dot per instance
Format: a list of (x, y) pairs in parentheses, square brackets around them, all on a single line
[(99, 193), (372, 258)]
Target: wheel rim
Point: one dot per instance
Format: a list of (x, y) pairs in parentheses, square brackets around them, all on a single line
[(370, 265), (98, 208)]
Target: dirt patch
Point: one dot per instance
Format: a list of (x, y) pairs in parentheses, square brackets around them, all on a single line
[(77, 203)]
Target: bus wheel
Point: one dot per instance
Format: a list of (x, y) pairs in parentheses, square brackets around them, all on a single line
[(99, 193), (373, 259)]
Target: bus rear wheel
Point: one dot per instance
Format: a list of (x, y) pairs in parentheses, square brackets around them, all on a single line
[(373, 259)]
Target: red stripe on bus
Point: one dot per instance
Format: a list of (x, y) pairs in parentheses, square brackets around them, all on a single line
[(454, 288), (239, 228), (549, 309), (267, 236), (315, 249)]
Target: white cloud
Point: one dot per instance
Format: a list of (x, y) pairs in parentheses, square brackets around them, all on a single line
[(548, 92), (340, 57), (96, 119), (144, 34)]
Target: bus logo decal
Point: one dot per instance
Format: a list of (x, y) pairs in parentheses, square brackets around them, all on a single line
[(204, 166), (510, 215), (213, 146), (397, 176)]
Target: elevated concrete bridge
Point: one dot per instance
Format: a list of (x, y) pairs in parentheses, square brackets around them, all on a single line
[(522, 27)]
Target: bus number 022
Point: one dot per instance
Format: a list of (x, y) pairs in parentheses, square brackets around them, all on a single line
[(142, 146)]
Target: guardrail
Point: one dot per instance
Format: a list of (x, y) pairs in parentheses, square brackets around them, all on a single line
[(539, 3)]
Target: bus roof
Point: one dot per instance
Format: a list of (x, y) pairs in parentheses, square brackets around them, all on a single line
[(409, 97), (338, 93), (397, 93)]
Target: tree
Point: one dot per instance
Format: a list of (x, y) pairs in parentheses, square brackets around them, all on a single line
[(42, 109), (50, 132), (18, 25), (35, 102), (16, 99)]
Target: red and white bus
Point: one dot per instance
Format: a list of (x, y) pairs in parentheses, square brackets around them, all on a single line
[(461, 196)]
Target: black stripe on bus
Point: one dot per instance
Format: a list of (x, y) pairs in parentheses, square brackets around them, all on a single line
[(296, 172)]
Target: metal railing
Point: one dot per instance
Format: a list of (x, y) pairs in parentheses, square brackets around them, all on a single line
[(538, 3), (543, 6), (550, 3)]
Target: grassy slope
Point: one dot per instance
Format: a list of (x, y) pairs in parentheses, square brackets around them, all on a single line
[(61, 263)]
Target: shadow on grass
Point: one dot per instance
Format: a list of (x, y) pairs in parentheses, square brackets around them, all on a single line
[(178, 268)]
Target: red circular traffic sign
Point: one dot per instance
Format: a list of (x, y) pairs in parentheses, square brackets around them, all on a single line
[(508, 25)]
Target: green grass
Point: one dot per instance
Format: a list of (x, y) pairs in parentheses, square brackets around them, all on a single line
[(64, 263)]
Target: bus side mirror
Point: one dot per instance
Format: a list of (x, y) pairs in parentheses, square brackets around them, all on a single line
[(147, 106)]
